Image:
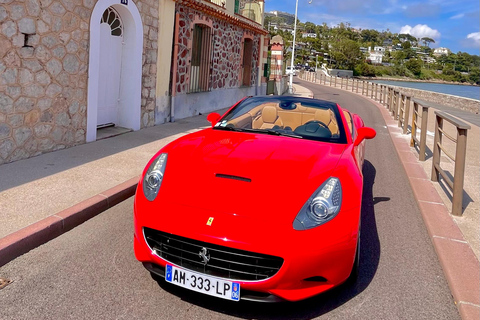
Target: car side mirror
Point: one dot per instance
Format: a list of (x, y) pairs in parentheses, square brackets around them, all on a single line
[(364, 133), (213, 118)]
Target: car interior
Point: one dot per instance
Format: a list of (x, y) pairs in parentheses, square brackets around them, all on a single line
[(293, 117)]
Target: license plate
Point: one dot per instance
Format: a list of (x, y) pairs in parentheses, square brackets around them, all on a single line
[(202, 283)]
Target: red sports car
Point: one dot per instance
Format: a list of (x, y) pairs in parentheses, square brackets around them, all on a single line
[(264, 205)]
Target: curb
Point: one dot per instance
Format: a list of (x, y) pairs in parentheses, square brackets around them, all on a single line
[(460, 265), (28, 238)]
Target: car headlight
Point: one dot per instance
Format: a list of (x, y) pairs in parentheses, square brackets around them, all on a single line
[(154, 176), (321, 207)]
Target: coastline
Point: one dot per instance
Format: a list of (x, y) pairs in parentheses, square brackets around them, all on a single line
[(405, 79)]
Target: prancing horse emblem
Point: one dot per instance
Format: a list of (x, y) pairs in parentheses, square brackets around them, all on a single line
[(204, 255)]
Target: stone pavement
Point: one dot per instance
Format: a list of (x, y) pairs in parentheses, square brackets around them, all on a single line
[(45, 196)]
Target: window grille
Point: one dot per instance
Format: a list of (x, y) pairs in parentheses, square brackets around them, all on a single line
[(200, 67), (111, 17), (247, 62)]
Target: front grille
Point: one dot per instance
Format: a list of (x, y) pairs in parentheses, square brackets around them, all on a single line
[(224, 262)]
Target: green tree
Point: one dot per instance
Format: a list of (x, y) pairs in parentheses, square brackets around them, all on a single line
[(406, 45), (474, 75), (370, 35), (347, 53), (409, 37), (415, 66), (426, 41)]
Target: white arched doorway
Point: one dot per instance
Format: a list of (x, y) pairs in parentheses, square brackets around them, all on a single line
[(115, 66)]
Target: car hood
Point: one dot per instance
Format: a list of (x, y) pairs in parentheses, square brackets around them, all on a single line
[(245, 174)]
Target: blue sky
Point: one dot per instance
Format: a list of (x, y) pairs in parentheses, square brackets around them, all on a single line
[(454, 24)]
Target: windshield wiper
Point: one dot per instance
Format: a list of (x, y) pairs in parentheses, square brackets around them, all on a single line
[(266, 131), (280, 133)]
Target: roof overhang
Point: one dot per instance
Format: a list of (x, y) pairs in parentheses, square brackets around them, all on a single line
[(220, 13)]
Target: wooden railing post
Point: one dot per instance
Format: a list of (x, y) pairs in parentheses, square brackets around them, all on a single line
[(401, 109), (459, 171), (437, 140), (423, 134), (460, 155), (407, 113), (390, 103)]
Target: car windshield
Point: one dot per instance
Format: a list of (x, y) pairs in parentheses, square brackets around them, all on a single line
[(293, 117)]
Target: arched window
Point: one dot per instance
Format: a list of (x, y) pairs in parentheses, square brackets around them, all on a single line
[(111, 17)]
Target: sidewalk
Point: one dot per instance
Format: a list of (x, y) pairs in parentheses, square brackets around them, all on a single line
[(45, 196)]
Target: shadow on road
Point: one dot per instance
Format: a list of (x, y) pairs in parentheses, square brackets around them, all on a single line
[(318, 305)]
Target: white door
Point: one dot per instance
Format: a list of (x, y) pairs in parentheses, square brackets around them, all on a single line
[(111, 38)]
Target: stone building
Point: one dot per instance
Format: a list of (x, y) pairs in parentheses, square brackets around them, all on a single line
[(219, 52), (69, 67)]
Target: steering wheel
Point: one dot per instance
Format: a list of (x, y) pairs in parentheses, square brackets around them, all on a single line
[(320, 123)]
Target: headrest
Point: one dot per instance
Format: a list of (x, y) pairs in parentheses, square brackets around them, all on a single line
[(323, 115), (269, 114)]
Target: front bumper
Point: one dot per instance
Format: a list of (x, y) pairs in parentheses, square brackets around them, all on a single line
[(314, 260)]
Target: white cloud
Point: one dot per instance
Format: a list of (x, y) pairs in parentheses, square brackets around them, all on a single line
[(421, 31), (475, 38), (458, 16)]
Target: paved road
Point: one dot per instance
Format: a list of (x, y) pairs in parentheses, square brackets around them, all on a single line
[(91, 273)]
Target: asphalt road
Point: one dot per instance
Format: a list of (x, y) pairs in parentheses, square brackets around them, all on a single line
[(91, 273)]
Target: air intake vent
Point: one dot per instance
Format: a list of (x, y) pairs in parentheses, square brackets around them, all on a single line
[(228, 176), (223, 261)]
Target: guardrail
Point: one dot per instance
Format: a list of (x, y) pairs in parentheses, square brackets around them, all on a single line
[(422, 142), (399, 106), (456, 184)]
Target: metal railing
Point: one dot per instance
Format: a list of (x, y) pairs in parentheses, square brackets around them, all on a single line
[(456, 184), (399, 105)]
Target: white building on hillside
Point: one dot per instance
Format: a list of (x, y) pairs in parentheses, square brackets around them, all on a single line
[(441, 51), (309, 35)]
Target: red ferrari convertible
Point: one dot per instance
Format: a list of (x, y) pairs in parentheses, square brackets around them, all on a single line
[(264, 205)]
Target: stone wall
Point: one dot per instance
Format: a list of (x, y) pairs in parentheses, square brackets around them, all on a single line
[(43, 73), (227, 59), (466, 104)]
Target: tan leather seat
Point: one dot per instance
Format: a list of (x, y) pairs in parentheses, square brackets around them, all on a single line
[(348, 117), (268, 119), (328, 118)]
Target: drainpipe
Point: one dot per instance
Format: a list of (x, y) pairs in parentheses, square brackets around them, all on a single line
[(174, 71)]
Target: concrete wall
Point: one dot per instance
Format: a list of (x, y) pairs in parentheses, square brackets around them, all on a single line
[(187, 105), (341, 73), (467, 104), (166, 25), (281, 86)]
